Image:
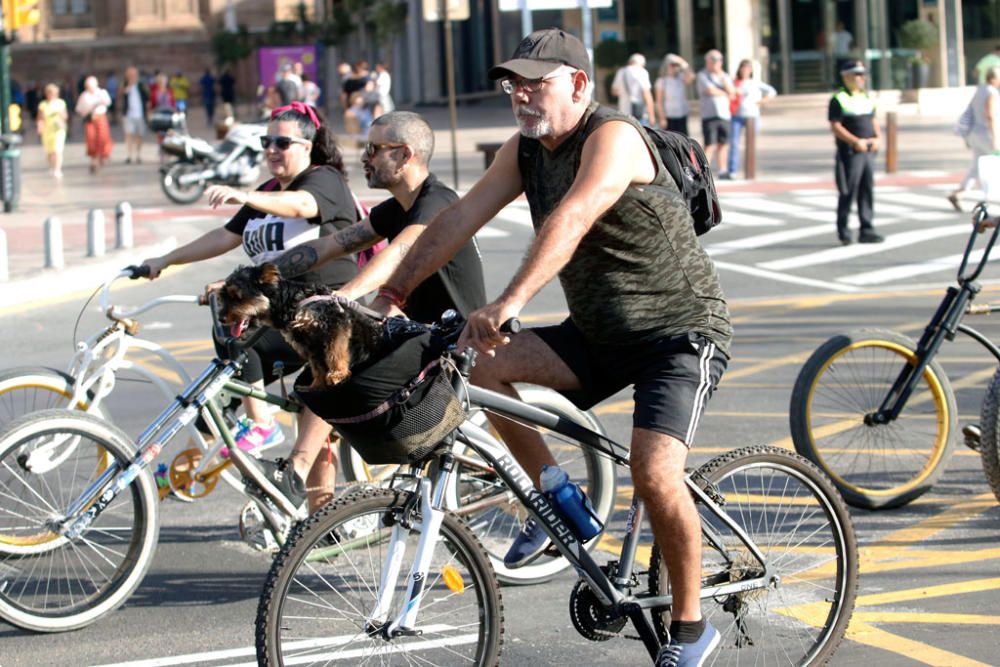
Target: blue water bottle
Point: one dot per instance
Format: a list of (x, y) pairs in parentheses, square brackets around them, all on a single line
[(571, 502)]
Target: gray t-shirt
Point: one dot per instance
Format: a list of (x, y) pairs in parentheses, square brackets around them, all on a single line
[(713, 106)]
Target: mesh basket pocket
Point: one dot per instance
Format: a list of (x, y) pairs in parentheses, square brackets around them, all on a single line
[(410, 429)]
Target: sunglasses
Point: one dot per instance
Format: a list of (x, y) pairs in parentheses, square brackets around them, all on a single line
[(281, 143), (371, 149)]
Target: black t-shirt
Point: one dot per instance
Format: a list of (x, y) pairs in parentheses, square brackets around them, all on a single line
[(353, 85), (266, 237), (856, 112), (459, 283)]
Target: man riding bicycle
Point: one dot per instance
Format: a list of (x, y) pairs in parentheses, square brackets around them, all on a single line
[(646, 308)]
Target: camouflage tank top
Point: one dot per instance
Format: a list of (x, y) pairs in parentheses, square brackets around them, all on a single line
[(640, 272)]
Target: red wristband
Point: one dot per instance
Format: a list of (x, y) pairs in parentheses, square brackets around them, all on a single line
[(392, 296)]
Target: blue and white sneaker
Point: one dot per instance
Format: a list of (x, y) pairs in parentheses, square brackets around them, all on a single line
[(676, 654), (527, 546)]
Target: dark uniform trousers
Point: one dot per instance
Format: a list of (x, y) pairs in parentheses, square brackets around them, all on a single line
[(855, 180)]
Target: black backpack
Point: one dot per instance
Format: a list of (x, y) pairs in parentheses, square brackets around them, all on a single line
[(686, 163)]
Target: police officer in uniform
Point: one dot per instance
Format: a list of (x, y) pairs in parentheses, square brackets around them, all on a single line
[(853, 123)]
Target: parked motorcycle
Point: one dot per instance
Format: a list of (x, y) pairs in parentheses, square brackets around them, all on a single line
[(235, 161)]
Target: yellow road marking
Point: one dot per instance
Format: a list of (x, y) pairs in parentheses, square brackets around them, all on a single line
[(863, 633)]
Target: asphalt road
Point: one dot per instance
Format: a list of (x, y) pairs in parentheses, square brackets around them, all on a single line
[(929, 570)]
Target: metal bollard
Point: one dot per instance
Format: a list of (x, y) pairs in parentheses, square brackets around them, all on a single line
[(124, 238), (54, 244), (95, 233), (750, 152), (891, 134), (4, 262)]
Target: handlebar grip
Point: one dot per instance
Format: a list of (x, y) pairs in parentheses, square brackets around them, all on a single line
[(511, 326), (137, 271)]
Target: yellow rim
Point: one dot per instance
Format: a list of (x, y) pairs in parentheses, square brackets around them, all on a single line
[(940, 442)]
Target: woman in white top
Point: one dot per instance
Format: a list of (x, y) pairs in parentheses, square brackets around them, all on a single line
[(671, 93), (92, 106), (984, 138), (750, 95)]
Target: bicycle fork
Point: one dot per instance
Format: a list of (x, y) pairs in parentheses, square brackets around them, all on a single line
[(431, 499)]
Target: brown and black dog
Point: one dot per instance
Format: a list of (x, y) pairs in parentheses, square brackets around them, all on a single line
[(330, 332)]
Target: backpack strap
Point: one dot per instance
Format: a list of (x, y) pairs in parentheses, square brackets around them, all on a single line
[(603, 114)]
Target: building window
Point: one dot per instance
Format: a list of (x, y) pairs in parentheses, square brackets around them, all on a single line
[(72, 14), (70, 7)]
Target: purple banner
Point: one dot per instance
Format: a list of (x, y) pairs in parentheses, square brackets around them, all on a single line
[(270, 59)]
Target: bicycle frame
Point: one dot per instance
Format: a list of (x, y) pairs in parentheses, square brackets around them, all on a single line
[(945, 323), (610, 591), (201, 394)]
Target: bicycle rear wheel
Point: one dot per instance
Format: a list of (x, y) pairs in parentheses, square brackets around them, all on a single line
[(875, 466), (323, 585), (29, 389), (52, 583), (493, 513), (792, 513)]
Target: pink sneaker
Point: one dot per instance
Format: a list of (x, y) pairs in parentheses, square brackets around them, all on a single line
[(253, 437)]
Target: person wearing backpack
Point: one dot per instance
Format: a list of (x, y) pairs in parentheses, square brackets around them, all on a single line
[(984, 131), (646, 308), (852, 120)]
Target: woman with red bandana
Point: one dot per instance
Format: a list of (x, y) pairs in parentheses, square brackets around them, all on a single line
[(307, 197)]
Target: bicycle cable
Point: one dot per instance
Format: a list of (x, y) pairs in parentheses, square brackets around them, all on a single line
[(79, 316)]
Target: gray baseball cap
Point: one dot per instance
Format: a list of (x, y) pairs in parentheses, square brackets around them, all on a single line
[(540, 53)]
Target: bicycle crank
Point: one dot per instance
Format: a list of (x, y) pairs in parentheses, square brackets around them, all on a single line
[(591, 618), (183, 479)]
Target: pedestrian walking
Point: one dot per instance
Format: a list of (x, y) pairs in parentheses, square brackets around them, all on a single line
[(207, 84), (751, 93), (52, 119), (984, 137), (634, 91), (715, 92), (135, 100), (853, 123), (180, 87), (92, 106), (227, 87), (671, 98), (383, 84)]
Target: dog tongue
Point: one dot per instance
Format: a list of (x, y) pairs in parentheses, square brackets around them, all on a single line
[(237, 329)]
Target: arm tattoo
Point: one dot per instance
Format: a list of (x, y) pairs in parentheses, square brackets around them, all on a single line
[(356, 237), (296, 261)]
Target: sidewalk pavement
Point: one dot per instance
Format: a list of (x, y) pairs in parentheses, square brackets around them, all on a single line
[(795, 150)]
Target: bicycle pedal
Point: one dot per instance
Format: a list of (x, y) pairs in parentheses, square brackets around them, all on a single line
[(972, 435), (549, 551)]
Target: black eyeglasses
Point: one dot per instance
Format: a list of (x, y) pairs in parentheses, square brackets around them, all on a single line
[(280, 142), (371, 149), (513, 83)]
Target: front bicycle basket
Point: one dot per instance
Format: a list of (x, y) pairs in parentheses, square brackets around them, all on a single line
[(395, 410)]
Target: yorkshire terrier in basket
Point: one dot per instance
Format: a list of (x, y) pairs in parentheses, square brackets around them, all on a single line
[(330, 332)]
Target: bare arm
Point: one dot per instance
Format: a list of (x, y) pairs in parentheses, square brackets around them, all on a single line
[(614, 157), (286, 203), (651, 109), (211, 244), (991, 121), (454, 226), (306, 256), (661, 115), (377, 271)]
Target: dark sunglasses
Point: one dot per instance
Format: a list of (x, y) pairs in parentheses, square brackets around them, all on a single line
[(281, 143), (371, 149)]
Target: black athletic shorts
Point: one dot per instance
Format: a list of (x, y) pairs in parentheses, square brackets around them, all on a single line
[(673, 377), (715, 131)]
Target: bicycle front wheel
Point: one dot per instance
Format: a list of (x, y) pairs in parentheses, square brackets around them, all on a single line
[(838, 391), (989, 438), (52, 583), (796, 518), (33, 388), (320, 594)]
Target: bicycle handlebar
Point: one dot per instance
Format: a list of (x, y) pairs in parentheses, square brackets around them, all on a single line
[(979, 217), (119, 314)]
